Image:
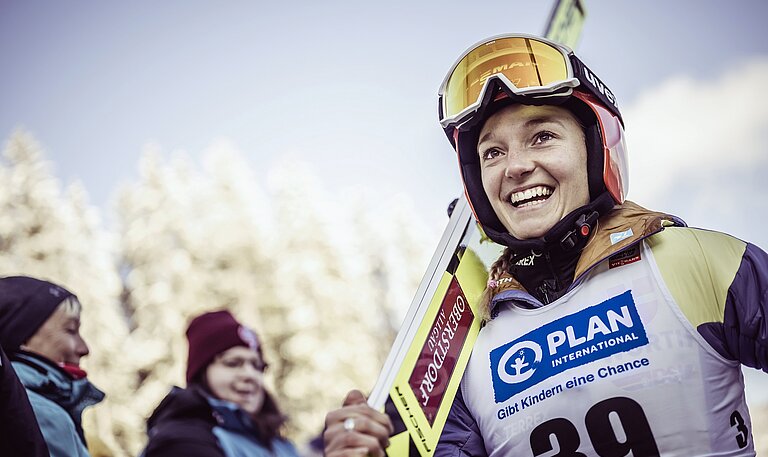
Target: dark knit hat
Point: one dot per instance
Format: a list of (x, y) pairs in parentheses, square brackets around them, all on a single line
[(213, 333), (25, 304)]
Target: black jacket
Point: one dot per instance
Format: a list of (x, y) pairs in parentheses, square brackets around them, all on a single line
[(182, 424), (19, 432)]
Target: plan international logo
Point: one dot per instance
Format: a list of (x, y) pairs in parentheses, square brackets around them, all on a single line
[(591, 334)]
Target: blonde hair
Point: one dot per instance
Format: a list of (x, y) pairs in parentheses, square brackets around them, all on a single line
[(495, 277), (71, 306)]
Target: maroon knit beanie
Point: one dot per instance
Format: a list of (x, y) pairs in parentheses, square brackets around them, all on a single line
[(213, 333)]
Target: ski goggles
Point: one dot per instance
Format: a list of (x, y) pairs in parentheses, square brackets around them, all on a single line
[(522, 66)]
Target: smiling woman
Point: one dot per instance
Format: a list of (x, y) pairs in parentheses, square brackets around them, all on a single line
[(225, 410), (583, 301)]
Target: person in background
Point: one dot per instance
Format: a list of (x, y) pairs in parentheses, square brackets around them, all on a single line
[(225, 411), (19, 432), (609, 329), (40, 329)]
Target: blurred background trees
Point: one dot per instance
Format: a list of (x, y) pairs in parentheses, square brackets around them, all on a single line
[(324, 279)]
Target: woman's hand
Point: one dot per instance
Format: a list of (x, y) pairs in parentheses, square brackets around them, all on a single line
[(356, 429)]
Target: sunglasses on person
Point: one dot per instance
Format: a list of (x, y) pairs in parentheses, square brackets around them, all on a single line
[(522, 66)]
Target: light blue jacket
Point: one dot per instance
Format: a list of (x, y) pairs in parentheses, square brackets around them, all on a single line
[(234, 433), (58, 402)]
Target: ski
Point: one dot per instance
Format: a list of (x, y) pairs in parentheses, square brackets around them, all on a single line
[(421, 375)]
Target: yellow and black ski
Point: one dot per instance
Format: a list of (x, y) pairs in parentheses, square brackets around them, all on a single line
[(421, 375)]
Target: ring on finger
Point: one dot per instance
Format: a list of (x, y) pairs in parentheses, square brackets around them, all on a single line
[(349, 424)]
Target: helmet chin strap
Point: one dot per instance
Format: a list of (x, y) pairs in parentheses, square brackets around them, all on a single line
[(582, 229), (569, 234), (545, 266), (573, 239)]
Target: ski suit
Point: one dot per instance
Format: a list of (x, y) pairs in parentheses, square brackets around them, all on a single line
[(641, 354)]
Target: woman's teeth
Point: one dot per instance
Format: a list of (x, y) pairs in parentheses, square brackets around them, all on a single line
[(530, 196)]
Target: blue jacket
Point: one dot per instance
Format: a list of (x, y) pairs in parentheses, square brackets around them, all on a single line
[(58, 401)]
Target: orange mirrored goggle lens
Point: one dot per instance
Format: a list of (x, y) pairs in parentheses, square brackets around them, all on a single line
[(524, 61)]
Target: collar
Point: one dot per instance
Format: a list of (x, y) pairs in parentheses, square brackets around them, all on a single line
[(230, 415), (43, 376), (623, 226)]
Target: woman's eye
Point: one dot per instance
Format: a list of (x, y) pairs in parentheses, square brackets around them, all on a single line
[(543, 137), (490, 154), (232, 363)]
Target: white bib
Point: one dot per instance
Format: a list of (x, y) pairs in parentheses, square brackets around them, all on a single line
[(613, 368)]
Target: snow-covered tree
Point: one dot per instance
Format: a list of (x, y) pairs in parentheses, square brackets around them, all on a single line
[(190, 242), (321, 277), (346, 264), (314, 279), (56, 235), (395, 245)]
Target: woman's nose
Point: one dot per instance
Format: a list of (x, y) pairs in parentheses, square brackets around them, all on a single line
[(251, 371), (518, 165), (82, 348)]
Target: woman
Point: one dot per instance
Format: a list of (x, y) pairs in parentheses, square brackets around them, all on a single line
[(611, 329), (225, 410), (40, 329)]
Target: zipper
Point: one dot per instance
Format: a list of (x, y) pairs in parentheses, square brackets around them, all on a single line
[(545, 287)]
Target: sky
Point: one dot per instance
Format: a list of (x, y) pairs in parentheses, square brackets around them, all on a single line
[(350, 88)]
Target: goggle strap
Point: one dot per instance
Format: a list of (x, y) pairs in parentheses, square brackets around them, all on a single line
[(592, 83)]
